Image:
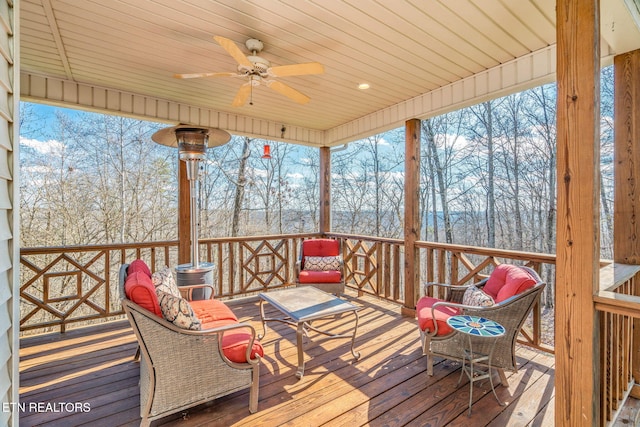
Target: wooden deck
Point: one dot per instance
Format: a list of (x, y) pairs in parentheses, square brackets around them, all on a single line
[(387, 386)]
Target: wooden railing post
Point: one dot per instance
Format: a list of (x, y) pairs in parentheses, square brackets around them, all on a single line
[(626, 247), (411, 215), (325, 190), (578, 225)]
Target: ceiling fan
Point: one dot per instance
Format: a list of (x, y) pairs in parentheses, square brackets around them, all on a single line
[(259, 71)]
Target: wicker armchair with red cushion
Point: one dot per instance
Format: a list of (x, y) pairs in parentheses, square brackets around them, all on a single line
[(509, 293), (182, 366), (321, 265)]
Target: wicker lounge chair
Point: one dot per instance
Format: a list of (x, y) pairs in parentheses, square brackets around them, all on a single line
[(182, 368), (438, 340), (324, 275)]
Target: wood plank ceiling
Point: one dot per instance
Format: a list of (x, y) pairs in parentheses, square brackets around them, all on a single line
[(401, 48)]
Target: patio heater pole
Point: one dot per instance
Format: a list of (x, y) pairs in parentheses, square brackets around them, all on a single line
[(192, 142)]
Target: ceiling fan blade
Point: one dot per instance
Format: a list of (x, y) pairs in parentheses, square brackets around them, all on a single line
[(242, 95), (233, 50), (196, 75), (288, 91), (297, 69)]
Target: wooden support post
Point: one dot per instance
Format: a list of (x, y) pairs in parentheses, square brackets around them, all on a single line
[(411, 216), (626, 233), (184, 215), (578, 223), (325, 190)]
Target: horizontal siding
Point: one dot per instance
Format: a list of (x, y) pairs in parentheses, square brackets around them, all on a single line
[(75, 95), (9, 241)]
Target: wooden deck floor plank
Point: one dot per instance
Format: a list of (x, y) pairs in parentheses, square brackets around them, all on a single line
[(376, 397), (37, 352), (281, 354), (95, 398), (527, 405), (79, 384), (79, 353), (77, 371), (335, 375)]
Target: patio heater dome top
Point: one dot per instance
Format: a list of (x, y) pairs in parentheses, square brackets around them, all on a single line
[(168, 137)]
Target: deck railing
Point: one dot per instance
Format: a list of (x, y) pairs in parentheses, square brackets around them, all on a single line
[(72, 284), (618, 303), (374, 266)]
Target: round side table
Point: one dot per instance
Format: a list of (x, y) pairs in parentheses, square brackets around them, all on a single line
[(474, 326)]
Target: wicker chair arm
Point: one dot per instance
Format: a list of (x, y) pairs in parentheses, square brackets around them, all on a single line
[(188, 290), (220, 332)]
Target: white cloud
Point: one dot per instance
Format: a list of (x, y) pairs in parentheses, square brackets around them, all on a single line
[(43, 147), (296, 175)]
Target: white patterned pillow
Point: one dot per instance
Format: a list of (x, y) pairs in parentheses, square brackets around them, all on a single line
[(322, 263), (178, 311), (164, 282), (477, 297)]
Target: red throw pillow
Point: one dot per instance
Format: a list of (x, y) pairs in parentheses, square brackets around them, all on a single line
[(139, 265), (139, 289), (518, 280)]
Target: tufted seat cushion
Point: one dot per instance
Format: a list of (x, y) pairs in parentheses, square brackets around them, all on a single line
[(331, 276), (211, 310), (425, 321)]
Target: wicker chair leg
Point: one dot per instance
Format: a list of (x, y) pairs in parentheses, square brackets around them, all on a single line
[(426, 345), (136, 357), (503, 377)]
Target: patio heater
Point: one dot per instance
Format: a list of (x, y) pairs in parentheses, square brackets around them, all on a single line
[(192, 143)]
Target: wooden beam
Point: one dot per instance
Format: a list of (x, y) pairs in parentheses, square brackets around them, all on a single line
[(626, 233), (325, 190), (184, 215), (578, 223), (411, 215)]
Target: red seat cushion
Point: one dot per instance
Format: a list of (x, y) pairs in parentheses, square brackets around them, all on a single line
[(211, 310), (331, 276), (508, 280), (235, 342), (139, 265), (139, 288), (425, 321), (320, 247)]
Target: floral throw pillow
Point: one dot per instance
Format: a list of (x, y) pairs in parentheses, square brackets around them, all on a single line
[(164, 282), (322, 263), (477, 297), (178, 311)]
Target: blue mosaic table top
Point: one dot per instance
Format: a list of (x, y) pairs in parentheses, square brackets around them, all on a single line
[(476, 326)]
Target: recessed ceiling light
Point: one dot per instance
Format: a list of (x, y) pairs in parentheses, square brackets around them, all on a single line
[(363, 86)]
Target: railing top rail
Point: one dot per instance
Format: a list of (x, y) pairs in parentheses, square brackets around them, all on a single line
[(118, 246), (256, 238), (361, 237), (106, 246), (499, 253)]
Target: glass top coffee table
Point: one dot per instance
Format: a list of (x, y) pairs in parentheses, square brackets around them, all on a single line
[(301, 306)]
